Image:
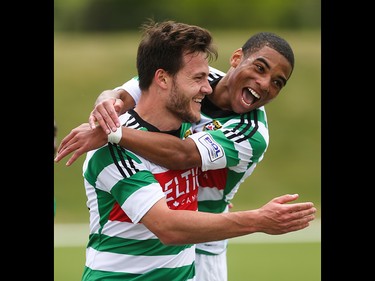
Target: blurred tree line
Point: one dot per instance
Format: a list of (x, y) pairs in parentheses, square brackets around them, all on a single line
[(117, 15)]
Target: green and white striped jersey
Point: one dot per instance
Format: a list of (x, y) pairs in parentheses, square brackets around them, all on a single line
[(230, 145), (121, 187)]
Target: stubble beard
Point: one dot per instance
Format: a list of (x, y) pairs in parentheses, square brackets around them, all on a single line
[(179, 104)]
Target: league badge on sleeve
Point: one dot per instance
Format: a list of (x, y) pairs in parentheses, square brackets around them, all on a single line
[(215, 150)]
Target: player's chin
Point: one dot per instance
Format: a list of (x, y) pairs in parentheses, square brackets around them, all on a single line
[(195, 116), (196, 108)]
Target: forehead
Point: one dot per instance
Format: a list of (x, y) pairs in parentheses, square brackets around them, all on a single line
[(195, 62)]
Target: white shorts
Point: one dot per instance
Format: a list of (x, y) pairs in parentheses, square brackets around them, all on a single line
[(211, 267)]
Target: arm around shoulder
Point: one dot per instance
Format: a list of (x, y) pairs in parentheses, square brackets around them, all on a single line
[(163, 149)]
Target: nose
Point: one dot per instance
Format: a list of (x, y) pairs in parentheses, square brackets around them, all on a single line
[(264, 84), (206, 88)]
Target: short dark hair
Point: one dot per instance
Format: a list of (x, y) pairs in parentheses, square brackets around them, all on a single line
[(261, 39), (164, 44)]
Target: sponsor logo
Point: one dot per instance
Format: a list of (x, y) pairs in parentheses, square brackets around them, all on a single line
[(188, 133), (180, 188), (212, 126), (215, 150)]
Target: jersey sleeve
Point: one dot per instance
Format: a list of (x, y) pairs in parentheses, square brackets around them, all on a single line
[(212, 153), (231, 147), (132, 87)]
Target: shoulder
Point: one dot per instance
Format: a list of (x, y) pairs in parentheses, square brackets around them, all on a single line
[(215, 74)]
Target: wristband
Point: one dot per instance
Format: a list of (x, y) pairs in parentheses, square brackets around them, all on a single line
[(115, 137)]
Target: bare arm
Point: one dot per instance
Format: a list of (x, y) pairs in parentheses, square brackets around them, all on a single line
[(175, 227), (162, 149), (169, 151)]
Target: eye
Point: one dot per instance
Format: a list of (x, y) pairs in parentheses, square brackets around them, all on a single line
[(200, 78), (279, 84), (260, 68)]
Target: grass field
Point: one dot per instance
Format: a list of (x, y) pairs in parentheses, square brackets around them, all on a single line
[(86, 64), (246, 262)]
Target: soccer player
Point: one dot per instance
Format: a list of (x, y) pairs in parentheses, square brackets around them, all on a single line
[(238, 143)]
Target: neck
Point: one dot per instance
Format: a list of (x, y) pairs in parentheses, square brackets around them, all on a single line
[(220, 95)]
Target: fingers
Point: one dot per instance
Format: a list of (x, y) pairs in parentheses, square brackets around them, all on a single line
[(286, 198), (92, 120), (296, 207), (293, 222), (74, 157), (305, 215), (65, 141), (105, 115), (296, 227), (65, 149), (100, 118), (300, 219), (283, 218), (304, 211), (70, 142), (300, 223), (68, 148), (80, 140)]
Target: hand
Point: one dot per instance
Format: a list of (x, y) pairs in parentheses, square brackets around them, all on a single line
[(105, 113), (277, 217), (80, 140)]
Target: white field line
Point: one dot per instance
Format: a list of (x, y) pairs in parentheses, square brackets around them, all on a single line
[(76, 235)]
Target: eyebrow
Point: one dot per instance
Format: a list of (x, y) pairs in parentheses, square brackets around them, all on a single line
[(268, 66)]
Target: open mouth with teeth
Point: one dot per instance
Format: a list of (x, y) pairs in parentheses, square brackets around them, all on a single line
[(249, 96)]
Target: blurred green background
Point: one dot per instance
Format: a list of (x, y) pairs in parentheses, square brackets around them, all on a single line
[(89, 59), (86, 64), (112, 15)]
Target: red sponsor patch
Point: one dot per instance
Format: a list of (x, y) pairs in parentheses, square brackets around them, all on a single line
[(214, 178), (180, 188)]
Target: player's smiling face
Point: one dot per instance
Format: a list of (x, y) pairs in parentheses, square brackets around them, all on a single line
[(257, 79), (189, 88)]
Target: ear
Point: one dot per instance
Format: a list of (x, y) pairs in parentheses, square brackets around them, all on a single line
[(236, 57), (161, 78)]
